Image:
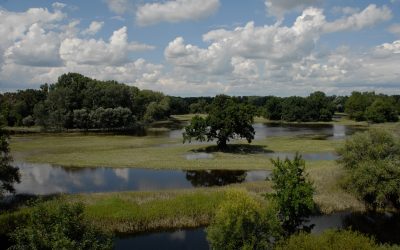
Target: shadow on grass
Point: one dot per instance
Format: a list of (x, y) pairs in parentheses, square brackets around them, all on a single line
[(235, 149)]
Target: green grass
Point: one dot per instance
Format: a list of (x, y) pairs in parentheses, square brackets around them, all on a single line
[(150, 152)]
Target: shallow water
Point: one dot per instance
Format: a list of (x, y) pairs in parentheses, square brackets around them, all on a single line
[(320, 156), (383, 227), (265, 130), (48, 179)]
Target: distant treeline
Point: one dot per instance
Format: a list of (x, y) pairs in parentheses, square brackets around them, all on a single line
[(76, 101)]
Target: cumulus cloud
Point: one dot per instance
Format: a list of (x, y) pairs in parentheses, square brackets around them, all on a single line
[(278, 8), (119, 6), (97, 52), (275, 43), (175, 11), (36, 48), (93, 28), (39, 45), (370, 16)]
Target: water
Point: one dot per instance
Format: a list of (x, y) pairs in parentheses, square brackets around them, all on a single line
[(328, 156), (49, 179), (189, 239), (383, 227), (265, 130)]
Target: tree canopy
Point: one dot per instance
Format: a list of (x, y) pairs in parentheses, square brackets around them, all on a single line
[(226, 120), (293, 193), (372, 163)]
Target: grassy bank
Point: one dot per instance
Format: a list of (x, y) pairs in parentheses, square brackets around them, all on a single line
[(133, 212), (153, 152)]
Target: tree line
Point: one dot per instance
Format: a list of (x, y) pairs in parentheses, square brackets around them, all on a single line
[(76, 101)]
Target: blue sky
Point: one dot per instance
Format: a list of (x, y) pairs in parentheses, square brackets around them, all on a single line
[(194, 48)]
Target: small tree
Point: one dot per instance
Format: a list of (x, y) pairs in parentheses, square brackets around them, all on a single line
[(8, 174), (58, 226), (293, 193), (226, 120), (241, 222)]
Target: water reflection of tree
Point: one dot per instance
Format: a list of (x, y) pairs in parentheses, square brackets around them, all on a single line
[(208, 178), (383, 227)]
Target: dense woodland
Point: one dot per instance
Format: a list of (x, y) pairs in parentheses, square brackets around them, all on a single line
[(79, 102)]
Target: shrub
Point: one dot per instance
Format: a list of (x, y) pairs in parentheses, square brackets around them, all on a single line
[(58, 226), (328, 240), (242, 223), (372, 163)]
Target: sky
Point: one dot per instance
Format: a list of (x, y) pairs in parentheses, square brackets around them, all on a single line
[(205, 47)]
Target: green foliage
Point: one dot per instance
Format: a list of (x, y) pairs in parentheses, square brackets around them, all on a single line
[(226, 120), (293, 192), (382, 110), (58, 226), (316, 107), (371, 107), (273, 108), (372, 163), (371, 145), (329, 240), (8, 174), (243, 223), (157, 111)]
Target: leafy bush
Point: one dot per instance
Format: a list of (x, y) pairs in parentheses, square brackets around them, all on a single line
[(242, 223), (58, 226), (371, 145), (293, 192), (373, 168), (329, 240)]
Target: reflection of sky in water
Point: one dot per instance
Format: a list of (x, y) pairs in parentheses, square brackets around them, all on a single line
[(264, 130), (47, 179), (383, 228)]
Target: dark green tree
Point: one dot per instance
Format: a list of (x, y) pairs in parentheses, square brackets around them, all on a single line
[(383, 109), (8, 174), (58, 226), (294, 108), (226, 120), (293, 193), (273, 108), (357, 104)]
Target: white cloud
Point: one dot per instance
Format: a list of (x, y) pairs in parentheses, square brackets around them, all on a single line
[(93, 28), (120, 6), (278, 8), (58, 5), (96, 52), (395, 29), (36, 48), (370, 16), (175, 11)]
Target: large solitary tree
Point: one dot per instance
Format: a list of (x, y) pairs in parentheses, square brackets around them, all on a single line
[(227, 119)]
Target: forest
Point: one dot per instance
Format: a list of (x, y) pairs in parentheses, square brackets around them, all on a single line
[(79, 102)]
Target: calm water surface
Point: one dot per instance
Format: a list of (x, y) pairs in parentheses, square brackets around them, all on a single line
[(384, 228), (48, 179), (265, 130)]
